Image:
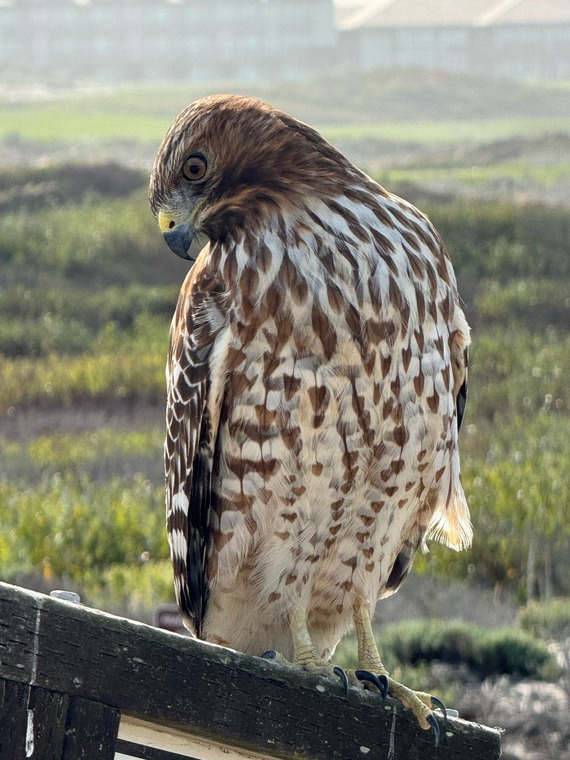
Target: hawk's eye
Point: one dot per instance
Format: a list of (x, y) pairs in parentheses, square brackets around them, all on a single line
[(195, 167)]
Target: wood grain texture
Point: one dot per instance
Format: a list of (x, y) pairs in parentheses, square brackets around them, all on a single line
[(41, 724), (210, 691), (91, 730)]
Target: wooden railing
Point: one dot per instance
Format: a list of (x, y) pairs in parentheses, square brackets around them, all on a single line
[(79, 683)]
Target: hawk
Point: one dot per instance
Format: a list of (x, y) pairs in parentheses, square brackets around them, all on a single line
[(317, 379)]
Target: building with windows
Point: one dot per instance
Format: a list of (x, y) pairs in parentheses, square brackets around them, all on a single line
[(129, 40), (115, 40), (497, 38)]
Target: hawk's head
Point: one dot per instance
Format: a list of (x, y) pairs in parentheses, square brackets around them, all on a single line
[(228, 160)]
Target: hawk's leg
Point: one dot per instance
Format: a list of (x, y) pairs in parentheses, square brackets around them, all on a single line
[(369, 662), (304, 652)]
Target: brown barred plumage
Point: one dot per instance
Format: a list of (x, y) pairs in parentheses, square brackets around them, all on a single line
[(316, 383)]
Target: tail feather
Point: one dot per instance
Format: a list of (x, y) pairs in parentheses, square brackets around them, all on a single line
[(451, 523)]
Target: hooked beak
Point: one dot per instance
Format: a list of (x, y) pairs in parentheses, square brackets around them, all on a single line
[(179, 239)]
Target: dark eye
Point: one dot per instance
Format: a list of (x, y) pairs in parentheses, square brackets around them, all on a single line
[(195, 167)]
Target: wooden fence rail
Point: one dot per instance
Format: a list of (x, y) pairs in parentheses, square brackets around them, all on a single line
[(79, 683)]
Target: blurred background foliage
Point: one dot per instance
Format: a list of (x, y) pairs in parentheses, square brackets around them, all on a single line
[(87, 290)]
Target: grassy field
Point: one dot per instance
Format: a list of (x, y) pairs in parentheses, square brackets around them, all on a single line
[(448, 137), (83, 121), (87, 289), (477, 176), (68, 121), (438, 132), (397, 106)]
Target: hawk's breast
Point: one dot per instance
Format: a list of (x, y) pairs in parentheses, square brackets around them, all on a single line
[(336, 419)]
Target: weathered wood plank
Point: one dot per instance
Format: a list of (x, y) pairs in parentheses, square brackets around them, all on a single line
[(91, 730), (47, 713), (39, 724), (18, 624), (13, 717), (32, 722), (212, 692)]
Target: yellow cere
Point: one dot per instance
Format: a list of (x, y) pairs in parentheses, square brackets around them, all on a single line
[(166, 222)]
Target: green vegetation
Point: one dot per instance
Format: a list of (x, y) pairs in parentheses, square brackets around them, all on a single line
[(417, 643), (71, 120), (515, 478), (437, 132), (106, 537), (382, 104), (81, 526), (475, 176), (495, 244), (87, 293), (455, 135), (53, 122), (549, 620), (98, 454)]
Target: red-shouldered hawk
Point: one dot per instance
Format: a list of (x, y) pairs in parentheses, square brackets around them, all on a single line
[(316, 384)]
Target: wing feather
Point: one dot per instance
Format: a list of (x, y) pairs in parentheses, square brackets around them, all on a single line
[(461, 396), (191, 421)]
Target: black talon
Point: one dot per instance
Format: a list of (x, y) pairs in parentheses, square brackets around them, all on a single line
[(343, 677), (432, 720), (270, 654), (381, 682), (439, 704)]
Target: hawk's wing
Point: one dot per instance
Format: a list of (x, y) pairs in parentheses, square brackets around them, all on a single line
[(460, 359), (192, 414)]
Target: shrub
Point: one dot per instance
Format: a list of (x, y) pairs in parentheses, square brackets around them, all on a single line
[(132, 590), (510, 652), (504, 241), (60, 381), (80, 527), (485, 652), (32, 188), (516, 372), (91, 245), (39, 321), (533, 304), (419, 641), (549, 620)]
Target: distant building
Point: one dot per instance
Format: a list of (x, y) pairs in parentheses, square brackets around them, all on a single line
[(130, 40), (117, 40), (496, 38)]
